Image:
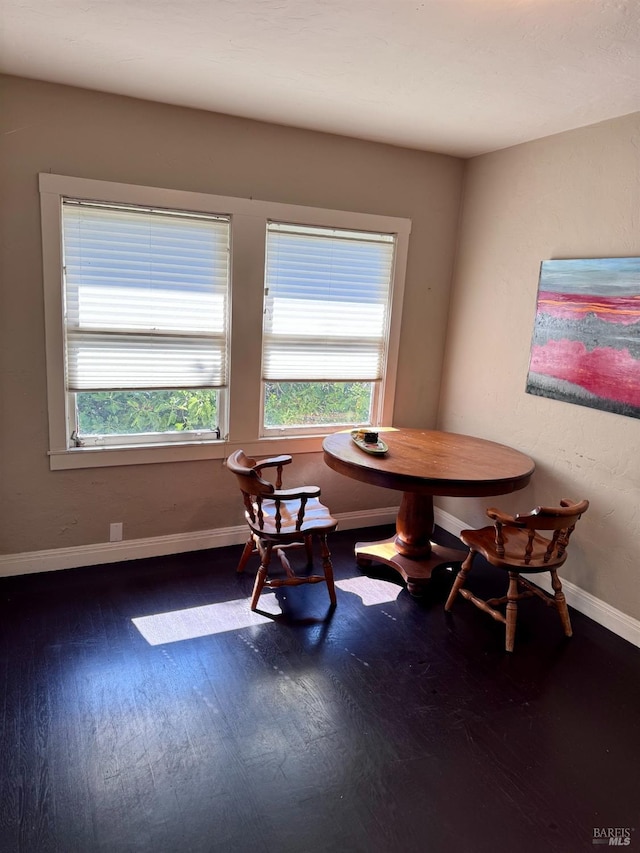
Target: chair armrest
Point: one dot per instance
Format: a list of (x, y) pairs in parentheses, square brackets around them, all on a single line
[(273, 462), (276, 462), (501, 517)]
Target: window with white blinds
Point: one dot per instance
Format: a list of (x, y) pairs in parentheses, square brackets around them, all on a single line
[(327, 304), (145, 298)]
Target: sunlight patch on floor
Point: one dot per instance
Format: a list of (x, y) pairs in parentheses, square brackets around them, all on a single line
[(371, 590), (203, 621)]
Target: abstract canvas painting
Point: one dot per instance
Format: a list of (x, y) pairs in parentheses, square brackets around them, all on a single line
[(586, 339)]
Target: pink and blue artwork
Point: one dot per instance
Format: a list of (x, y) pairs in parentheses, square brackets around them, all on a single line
[(586, 338)]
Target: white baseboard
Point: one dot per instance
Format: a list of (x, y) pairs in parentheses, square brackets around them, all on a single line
[(604, 614), (449, 522), (75, 557)]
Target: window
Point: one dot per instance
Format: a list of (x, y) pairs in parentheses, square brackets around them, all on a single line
[(183, 325), (145, 321), (327, 300)]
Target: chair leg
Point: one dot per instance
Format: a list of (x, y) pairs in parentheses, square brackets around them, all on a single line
[(512, 610), (327, 567), (561, 603), (261, 577), (460, 579), (308, 546), (244, 559)]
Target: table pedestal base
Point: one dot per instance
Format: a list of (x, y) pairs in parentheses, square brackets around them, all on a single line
[(416, 573)]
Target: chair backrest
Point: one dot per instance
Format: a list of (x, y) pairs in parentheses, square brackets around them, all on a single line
[(253, 487), (561, 520), (249, 479)]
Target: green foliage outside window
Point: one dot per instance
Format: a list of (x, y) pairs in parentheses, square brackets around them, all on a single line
[(132, 412), (316, 403), (287, 404)]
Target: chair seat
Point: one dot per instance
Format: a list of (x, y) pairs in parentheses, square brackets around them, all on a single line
[(515, 542), (317, 518)]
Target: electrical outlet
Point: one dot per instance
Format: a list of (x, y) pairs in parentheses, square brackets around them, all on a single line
[(115, 531)]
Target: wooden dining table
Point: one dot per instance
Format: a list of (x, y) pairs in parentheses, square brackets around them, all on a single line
[(422, 464)]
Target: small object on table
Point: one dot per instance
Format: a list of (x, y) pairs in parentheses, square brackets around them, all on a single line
[(369, 441)]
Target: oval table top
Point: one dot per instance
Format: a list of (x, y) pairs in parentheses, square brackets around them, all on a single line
[(431, 462)]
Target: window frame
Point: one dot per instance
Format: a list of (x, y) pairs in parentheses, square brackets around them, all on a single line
[(378, 384), (243, 399), (109, 216)]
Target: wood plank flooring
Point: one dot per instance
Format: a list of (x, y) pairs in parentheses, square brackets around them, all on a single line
[(384, 726)]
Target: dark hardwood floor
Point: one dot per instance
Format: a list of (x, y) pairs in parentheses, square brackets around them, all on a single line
[(385, 726)]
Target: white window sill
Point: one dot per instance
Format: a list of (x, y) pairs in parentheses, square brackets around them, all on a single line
[(104, 457)]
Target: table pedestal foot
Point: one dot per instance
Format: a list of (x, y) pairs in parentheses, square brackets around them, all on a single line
[(415, 573)]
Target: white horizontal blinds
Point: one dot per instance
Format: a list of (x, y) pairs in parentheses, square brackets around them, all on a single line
[(327, 304), (146, 295)]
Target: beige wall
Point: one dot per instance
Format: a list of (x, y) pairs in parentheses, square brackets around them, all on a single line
[(568, 196), (76, 132)]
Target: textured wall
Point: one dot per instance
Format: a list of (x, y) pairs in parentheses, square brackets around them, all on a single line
[(76, 132), (573, 195)]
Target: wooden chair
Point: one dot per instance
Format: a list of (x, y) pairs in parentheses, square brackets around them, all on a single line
[(514, 544), (281, 518)]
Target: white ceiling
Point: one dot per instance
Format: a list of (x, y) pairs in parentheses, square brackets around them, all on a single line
[(457, 76)]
